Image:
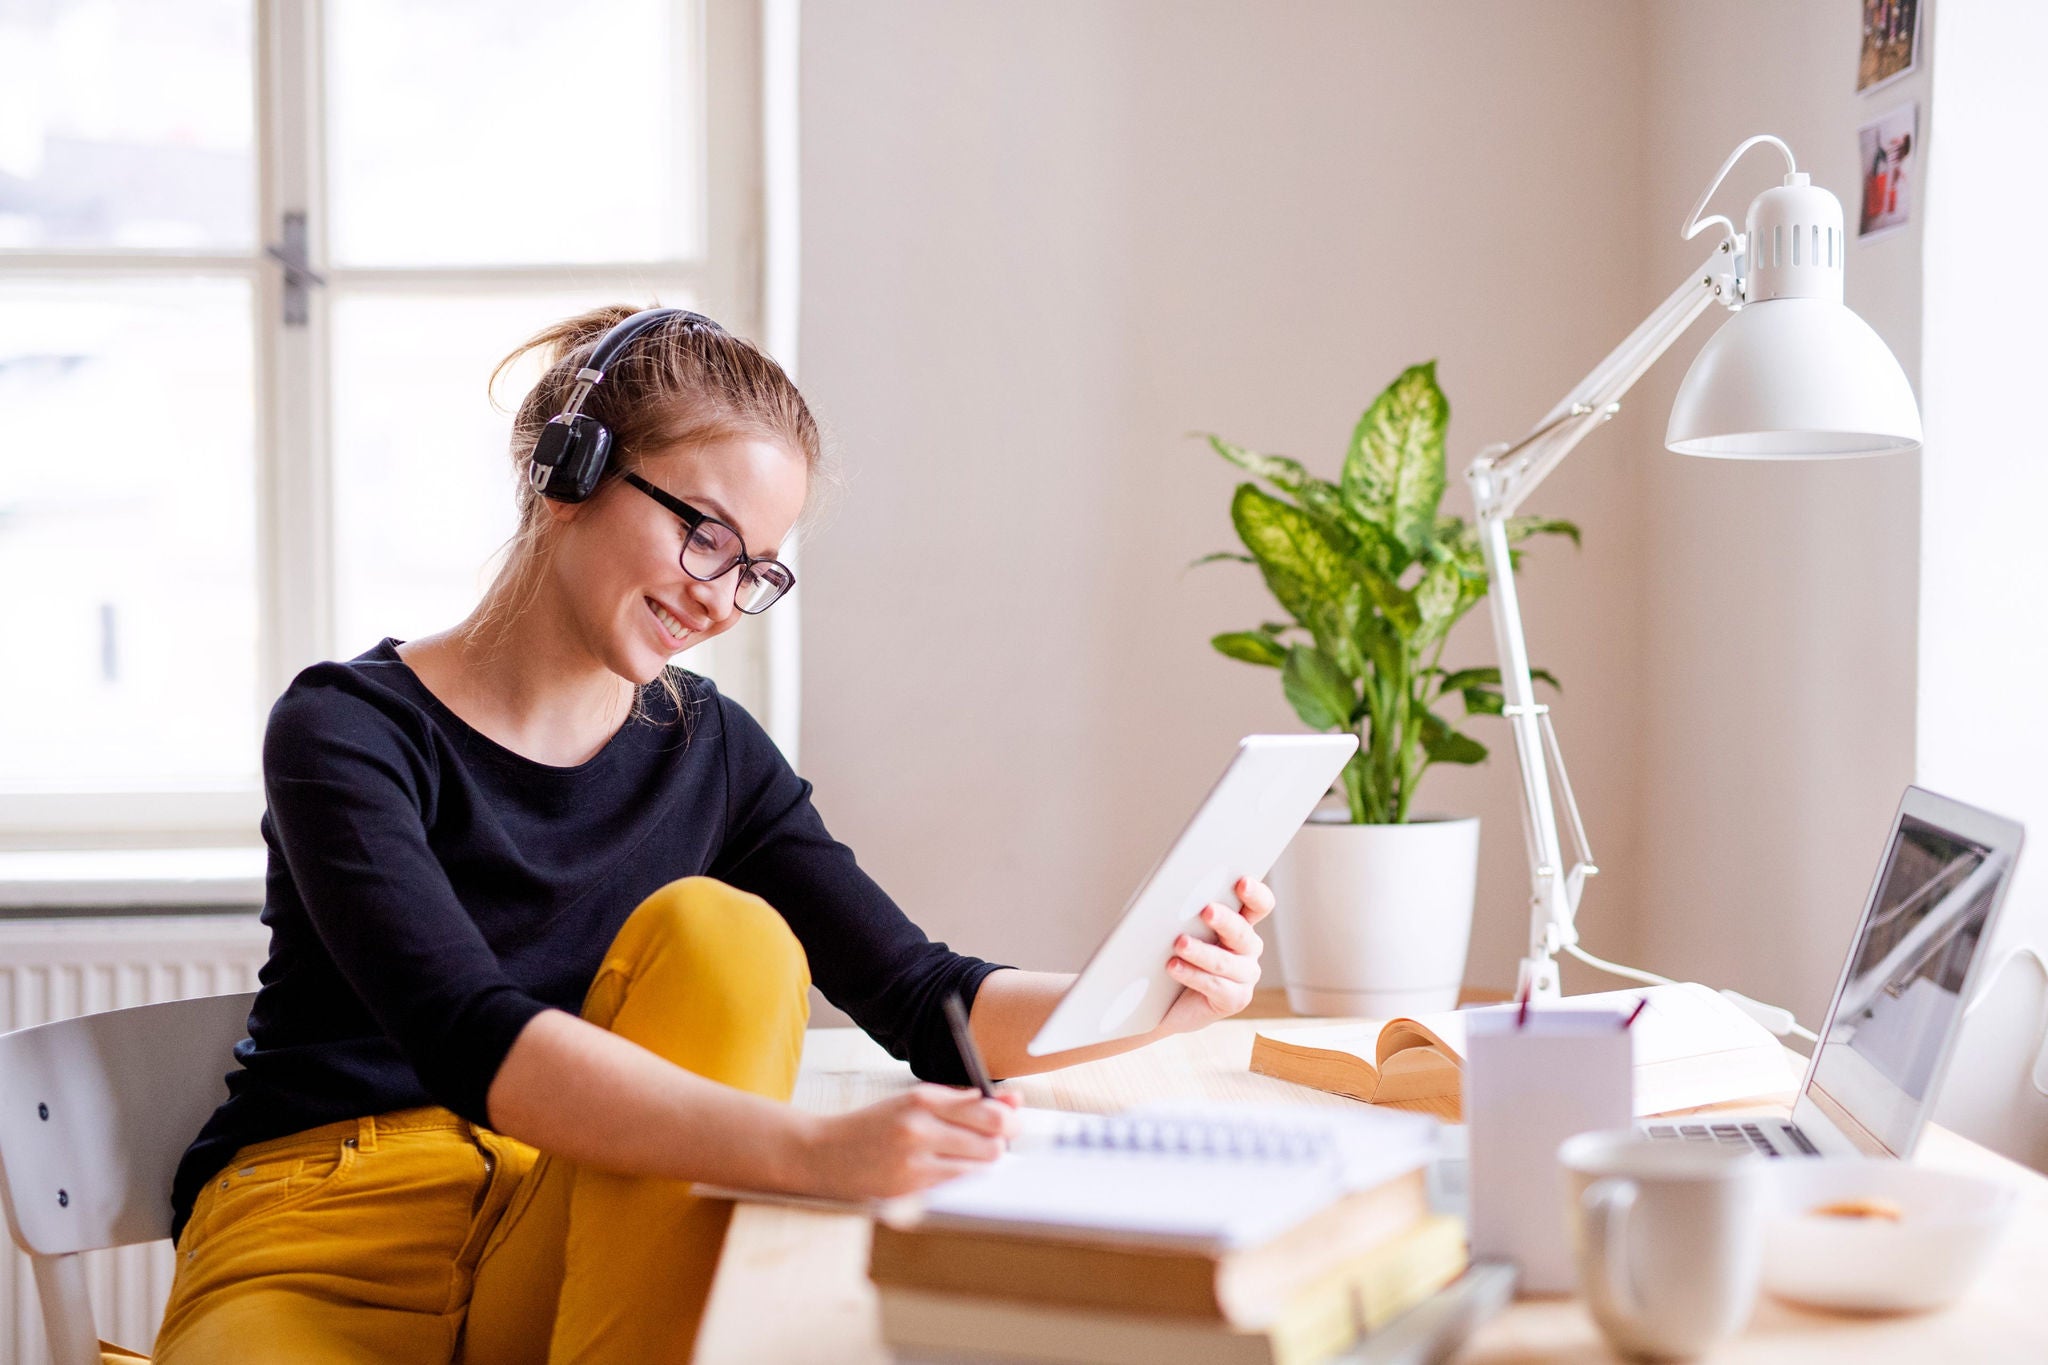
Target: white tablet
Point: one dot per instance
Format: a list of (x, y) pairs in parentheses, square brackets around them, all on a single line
[(1270, 787)]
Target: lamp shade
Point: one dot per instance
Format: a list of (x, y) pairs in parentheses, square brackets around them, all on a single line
[(1793, 378), (1793, 374)]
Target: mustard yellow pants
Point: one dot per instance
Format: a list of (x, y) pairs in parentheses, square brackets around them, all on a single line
[(415, 1236)]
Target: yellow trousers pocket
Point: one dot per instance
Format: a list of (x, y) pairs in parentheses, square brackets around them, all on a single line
[(348, 1242), (269, 1177)]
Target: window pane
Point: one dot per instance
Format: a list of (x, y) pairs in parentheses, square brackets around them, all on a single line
[(423, 481), (127, 534), (423, 476), (511, 131), (127, 123)]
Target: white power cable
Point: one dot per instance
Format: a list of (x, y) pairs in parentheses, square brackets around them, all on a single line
[(1779, 1021), (1782, 1022), (1616, 969), (1694, 224)]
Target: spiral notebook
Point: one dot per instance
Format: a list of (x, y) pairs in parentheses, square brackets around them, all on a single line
[(1211, 1178)]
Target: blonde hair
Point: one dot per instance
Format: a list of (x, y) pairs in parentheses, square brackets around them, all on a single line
[(683, 381)]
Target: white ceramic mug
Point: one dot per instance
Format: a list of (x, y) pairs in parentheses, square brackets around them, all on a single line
[(1668, 1236)]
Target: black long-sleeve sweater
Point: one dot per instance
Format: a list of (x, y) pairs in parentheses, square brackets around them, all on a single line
[(429, 891)]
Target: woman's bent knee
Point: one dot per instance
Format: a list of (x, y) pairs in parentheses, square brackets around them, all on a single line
[(700, 957), (712, 979), (699, 922)]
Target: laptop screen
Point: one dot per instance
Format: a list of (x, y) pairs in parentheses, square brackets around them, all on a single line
[(1902, 994)]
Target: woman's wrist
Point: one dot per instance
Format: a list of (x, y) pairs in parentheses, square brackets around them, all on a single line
[(793, 1155)]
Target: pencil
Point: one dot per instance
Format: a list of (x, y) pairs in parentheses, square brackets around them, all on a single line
[(963, 1040)]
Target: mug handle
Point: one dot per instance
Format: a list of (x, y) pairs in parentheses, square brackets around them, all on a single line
[(1606, 1204)]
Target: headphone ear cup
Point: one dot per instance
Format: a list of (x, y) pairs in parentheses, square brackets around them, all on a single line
[(570, 456)]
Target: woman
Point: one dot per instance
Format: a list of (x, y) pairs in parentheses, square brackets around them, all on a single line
[(463, 1124)]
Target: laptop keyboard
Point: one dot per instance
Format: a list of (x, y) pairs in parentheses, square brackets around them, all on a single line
[(1730, 1135)]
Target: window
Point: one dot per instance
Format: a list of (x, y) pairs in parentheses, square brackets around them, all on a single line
[(257, 262)]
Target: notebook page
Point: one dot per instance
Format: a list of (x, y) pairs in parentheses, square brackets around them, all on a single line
[(1371, 1146), (1208, 1179)]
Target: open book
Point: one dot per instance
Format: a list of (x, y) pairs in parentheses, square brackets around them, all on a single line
[(1692, 1048)]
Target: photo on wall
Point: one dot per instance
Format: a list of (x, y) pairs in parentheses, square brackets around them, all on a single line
[(1891, 42), (1888, 170)]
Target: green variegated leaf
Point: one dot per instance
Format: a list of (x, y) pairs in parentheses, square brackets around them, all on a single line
[(1521, 528), (1394, 471), (1332, 632), (1320, 692), (1443, 595), (1306, 572), (1250, 646), (1394, 601), (1445, 745), (1327, 502), (1314, 495), (1277, 470), (1470, 677), (1220, 556), (1376, 637), (1483, 701), (1374, 575), (1474, 677)]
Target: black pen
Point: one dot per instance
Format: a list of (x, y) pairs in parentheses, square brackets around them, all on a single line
[(970, 1055)]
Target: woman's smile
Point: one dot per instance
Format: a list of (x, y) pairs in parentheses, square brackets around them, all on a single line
[(672, 627)]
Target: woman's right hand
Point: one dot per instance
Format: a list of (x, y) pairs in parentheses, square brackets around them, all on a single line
[(907, 1142)]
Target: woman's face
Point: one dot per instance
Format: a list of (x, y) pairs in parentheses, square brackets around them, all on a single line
[(619, 561)]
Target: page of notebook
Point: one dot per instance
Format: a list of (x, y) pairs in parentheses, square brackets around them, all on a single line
[(1210, 1178)]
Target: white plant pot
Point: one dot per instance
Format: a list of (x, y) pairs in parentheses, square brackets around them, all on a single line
[(1374, 920)]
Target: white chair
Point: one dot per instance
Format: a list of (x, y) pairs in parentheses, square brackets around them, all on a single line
[(94, 1114)]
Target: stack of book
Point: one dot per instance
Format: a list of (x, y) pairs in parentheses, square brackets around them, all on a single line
[(1186, 1237)]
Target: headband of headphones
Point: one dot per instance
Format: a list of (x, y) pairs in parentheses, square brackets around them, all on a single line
[(569, 458)]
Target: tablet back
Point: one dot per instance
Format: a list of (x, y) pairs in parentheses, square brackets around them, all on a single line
[(1270, 787)]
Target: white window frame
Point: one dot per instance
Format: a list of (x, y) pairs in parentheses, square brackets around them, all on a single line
[(744, 108)]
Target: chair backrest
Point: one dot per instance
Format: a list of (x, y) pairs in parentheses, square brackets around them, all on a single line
[(96, 1111)]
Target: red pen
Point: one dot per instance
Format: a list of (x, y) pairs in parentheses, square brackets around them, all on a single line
[(1641, 1005), (1522, 1014)]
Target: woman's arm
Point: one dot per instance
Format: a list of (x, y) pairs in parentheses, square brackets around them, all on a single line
[(582, 1093), (347, 787), (1219, 977), (574, 1089)]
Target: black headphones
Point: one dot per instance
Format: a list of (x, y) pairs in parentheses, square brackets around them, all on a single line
[(570, 457)]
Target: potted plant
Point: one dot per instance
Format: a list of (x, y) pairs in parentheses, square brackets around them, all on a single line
[(1372, 576)]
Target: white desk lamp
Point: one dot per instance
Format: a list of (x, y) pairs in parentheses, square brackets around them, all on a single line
[(1792, 375)]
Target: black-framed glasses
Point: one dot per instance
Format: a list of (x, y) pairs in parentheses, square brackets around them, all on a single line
[(711, 550)]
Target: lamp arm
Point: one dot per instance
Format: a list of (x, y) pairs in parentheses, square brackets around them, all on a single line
[(1501, 478)]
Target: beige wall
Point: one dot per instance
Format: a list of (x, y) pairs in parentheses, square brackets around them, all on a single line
[(1779, 636), (1041, 244)]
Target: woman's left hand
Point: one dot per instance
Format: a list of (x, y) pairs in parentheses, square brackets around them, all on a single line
[(1219, 977)]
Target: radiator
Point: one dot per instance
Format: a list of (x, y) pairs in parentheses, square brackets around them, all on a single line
[(57, 968)]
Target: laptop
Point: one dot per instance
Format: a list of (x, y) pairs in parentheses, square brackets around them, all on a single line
[(1898, 1006)]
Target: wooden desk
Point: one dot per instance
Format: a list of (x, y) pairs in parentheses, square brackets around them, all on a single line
[(792, 1286)]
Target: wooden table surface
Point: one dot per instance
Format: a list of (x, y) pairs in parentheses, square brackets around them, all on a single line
[(792, 1285)]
